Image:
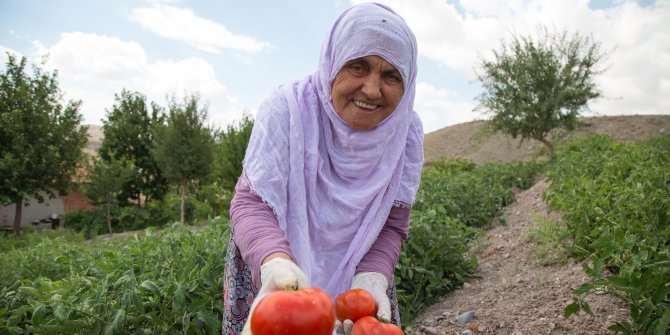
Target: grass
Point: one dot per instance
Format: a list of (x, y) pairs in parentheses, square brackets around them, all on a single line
[(548, 240)]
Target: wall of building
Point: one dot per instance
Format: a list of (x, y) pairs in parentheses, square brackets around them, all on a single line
[(36, 211)]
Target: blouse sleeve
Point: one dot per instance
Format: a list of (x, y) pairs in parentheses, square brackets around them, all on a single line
[(385, 251), (255, 228)]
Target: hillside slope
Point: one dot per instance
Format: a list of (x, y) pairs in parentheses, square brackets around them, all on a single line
[(465, 140)]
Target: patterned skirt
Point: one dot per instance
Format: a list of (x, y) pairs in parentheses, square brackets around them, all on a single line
[(238, 293)]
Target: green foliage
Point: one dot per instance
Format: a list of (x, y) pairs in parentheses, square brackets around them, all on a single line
[(471, 193), (31, 238), (89, 222), (105, 183), (212, 200), (230, 149), (535, 86), (41, 140), (164, 284), (185, 147), (130, 135), (455, 197), (93, 222), (616, 199)]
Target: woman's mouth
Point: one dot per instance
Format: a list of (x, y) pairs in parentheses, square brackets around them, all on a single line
[(364, 105)]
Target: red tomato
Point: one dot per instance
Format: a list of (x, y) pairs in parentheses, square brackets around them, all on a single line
[(305, 311), (368, 325), (354, 304)]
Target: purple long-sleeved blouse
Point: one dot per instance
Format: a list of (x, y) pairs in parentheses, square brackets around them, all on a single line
[(257, 234)]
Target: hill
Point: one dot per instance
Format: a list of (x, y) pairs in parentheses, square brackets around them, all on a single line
[(468, 142)]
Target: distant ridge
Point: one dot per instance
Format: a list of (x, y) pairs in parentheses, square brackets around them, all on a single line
[(465, 141)]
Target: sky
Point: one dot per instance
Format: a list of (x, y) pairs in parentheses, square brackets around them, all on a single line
[(233, 54)]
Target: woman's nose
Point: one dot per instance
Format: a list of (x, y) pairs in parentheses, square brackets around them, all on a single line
[(372, 87)]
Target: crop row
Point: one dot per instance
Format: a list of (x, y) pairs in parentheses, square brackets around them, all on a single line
[(616, 200)]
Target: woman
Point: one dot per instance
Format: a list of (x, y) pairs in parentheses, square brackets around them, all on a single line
[(331, 171)]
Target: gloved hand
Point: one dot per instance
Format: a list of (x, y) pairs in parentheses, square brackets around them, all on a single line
[(376, 284), (276, 274)]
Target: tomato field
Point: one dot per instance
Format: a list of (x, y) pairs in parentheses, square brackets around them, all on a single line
[(616, 200)]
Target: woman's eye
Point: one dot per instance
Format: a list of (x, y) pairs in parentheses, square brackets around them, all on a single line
[(393, 78), (356, 69)]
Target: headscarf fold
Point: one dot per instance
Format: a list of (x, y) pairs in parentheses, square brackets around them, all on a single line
[(330, 186)]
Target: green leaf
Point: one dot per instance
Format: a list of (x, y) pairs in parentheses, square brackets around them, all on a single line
[(60, 312), (29, 291), (570, 309), (62, 259), (621, 327), (38, 315), (151, 286), (138, 302), (663, 323), (622, 284), (585, 306), (117, 325)]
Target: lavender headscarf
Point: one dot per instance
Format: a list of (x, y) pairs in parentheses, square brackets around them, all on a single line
[(332, 187)]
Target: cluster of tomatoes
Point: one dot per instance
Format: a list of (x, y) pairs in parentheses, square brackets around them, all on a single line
[(312, 311)]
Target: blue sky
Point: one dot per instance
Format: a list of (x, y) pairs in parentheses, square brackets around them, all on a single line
[(234, 53)]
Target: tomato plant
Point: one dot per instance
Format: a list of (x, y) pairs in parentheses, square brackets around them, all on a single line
[(354, 304), (305, 311), (368, 325)]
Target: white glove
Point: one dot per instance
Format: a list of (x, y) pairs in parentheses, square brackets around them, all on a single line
[(343, 328), (276, 275), (376, 284)]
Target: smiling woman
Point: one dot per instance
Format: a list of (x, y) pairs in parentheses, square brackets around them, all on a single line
[(366, 91), (330, 174)]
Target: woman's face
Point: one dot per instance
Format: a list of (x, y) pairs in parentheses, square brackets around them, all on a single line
[(366, 91)]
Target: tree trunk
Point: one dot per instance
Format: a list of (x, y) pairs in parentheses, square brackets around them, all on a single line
[(182, 194), (17, 216), (548, 144), (109, 216)]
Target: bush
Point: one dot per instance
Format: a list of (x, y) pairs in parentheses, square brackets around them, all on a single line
[(616, 199), (90, 222)]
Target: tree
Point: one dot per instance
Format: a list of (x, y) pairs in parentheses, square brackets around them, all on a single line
[(105, 183), (230, 149), (129, 134), (41, 140), (185, 147), (533, 87)]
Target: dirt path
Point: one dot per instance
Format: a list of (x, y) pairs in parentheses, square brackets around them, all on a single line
[(515, 295)]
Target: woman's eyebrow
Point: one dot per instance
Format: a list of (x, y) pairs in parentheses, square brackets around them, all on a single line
[(361, 60), (393, 71)]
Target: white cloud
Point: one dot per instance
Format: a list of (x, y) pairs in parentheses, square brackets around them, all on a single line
[(93, 68), (638, 39), (183, 25), (440, 108), (3, 54)]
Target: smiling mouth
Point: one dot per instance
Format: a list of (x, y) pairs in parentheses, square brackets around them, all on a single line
[(364, 105)]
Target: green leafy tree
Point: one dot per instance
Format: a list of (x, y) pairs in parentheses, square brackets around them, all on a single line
[(230, 149), (41, 140), (105, 183), (129, 134), (185, 147), (534, 86)]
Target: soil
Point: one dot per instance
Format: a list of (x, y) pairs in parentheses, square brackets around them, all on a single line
[(512, 293)]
